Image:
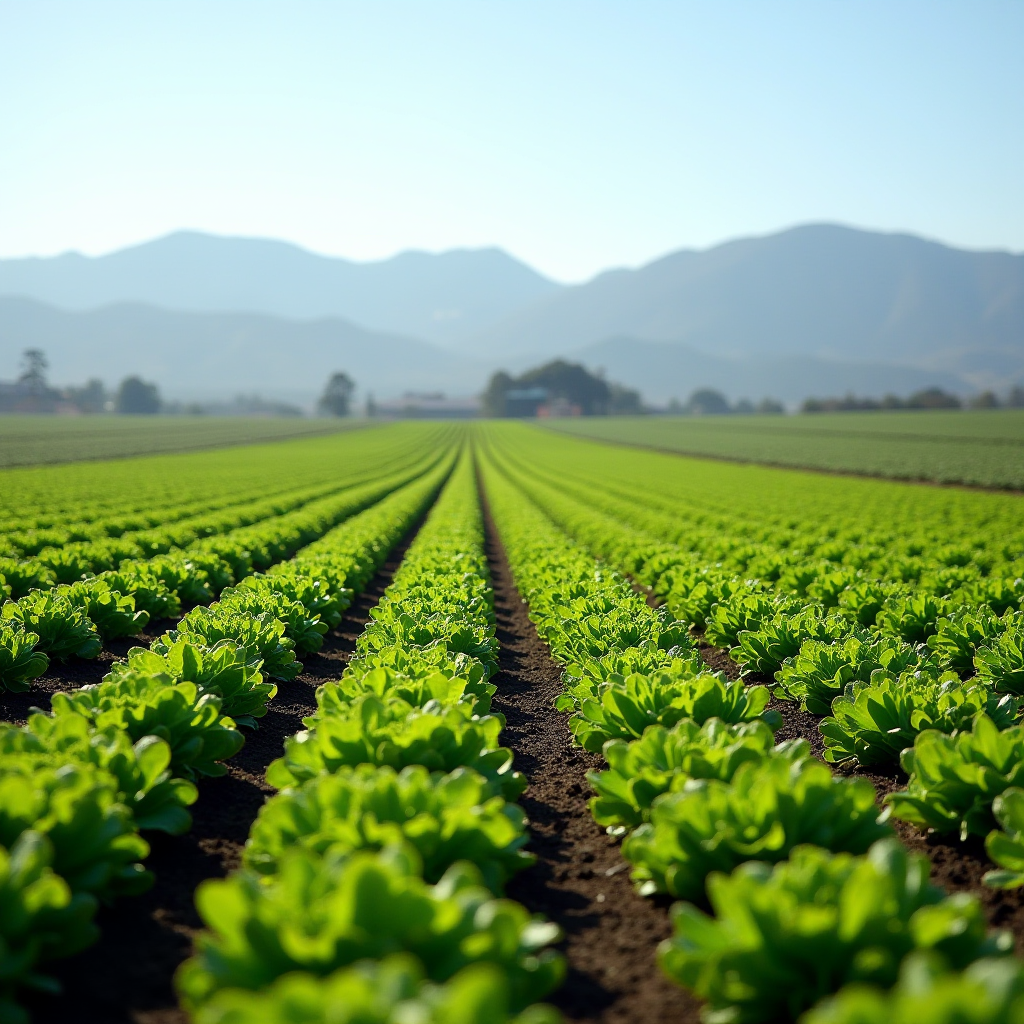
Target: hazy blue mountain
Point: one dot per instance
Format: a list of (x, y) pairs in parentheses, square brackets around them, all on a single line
[(822, 290), (440, 297), (217, 355), (662, 370)]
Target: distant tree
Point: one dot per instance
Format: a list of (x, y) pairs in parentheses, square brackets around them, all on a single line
[(35, 365), (933, 398), (1015, 399), (91, 399), (986, 400), (624, 401), (744, 407), (337, 397), (770, 407), (707, 402), (493, 399), (137, 398)]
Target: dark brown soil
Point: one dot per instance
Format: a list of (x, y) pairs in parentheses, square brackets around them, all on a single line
[(580, 880), (126, 978)]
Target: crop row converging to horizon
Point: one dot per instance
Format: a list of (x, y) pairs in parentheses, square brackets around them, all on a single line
[(875, 625)]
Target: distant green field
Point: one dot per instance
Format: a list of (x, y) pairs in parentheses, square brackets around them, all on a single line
[(32, 440), (983, 448)]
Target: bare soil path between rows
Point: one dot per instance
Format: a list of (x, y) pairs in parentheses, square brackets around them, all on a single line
[(580, 880), (127, 977)]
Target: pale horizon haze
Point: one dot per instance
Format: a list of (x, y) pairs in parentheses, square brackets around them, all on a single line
[(576, 136)]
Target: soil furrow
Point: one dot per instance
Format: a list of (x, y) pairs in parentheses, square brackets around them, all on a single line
[(126, 978), (580, 880)]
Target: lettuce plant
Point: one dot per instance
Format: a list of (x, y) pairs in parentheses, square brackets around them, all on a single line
[(954, 779), (663, 760), (305, 631), (199, 736), (820, 671), (959, 635), (911, 617), (774, 640), (392, 732), (461, 681), (769, 808), (319, 914), (261, 635), (1001, 662), (62, 626), (145, 785), (1005, 845), (784, 937), (20, 662), (623, 708), (40, 918), (377, 992), (875, 721), (744, 611), (95, 846), (989, 991), (444, 818), (223, 670), (150, 593), (23, 575), (112, 613)]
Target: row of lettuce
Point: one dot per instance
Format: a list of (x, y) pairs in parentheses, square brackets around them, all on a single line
[(905, 677), (78, 785), (798, 902), (114, 589), (371, 886)]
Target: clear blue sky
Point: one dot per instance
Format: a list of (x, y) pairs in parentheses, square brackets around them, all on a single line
[(576, 135)]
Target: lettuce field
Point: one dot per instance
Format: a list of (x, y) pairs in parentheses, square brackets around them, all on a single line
[(490, 724), (984, 448)]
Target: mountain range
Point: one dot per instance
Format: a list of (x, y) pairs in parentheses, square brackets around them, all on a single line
[(819, 309)]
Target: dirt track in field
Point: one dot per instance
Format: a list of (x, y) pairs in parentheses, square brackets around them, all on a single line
[(127, 977), (580, 879)]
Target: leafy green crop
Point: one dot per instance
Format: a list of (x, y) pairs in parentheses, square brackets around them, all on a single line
[(954, 779), (261, 635), (783, 937), (989, 991), (1001, 662), (40, 918), (444, 818), (223, 670), (262, 597), (623, 708), (662, 761), (389, 991), (113, 614), (320, 914), (774, 640), (95, 846), (875, 721), (199, 736), (769, 808), (145, 785), (392, 732), (821, 670), (20, 662), (959, 635), (911, 617), (62, 627), (1005, 846)]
